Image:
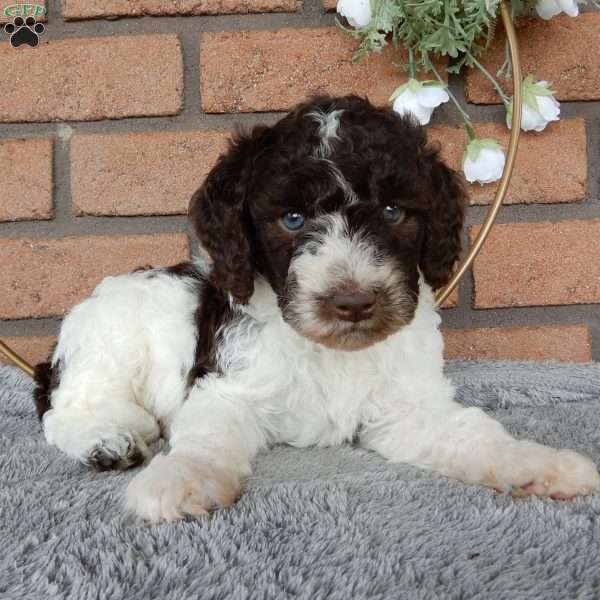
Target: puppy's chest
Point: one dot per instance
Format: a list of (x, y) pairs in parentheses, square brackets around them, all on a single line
[(303, 393), (323, 396)]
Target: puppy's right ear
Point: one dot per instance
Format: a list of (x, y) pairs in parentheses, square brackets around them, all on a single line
[(217, 214)]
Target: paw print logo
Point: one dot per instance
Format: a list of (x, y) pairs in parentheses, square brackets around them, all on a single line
[(24, 31)]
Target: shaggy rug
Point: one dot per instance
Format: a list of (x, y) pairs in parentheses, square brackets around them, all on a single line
[(334, 523)]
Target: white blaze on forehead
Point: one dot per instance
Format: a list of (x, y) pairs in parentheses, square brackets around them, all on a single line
[(341, 257), (328, 129), (342, 182), (329, 124)]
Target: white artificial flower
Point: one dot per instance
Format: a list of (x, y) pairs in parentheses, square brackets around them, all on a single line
[(419, 99), (357, 12), (539, 106), (483, 161), (549, 8)]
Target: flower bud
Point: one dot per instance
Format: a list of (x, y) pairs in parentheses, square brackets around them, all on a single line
[(357, 12), (419, 99), (539, 106), (483, 161), (547, 9)]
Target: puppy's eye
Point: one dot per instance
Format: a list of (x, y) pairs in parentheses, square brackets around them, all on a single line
[(394, 215), (293, 221)]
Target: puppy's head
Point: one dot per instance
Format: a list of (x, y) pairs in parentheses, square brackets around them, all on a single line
[(339, 206)]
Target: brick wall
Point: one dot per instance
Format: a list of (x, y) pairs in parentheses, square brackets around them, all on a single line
[(109, 125)]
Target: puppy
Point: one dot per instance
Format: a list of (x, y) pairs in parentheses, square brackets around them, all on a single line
[(307, 318)]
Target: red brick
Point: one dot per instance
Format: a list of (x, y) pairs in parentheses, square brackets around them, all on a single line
[(569, 343), (34, 349), (141, 173), (46, 277), (30, 11), (26, 167), (93, 78), (84, 9), (529, 264), (563, 51), (272, 70), (452, 300), (541, 174)]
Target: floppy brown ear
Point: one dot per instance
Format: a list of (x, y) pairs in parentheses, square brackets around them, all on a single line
[(218, 218), (442, 244)]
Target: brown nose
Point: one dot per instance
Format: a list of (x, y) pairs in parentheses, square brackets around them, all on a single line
[(354, 307)]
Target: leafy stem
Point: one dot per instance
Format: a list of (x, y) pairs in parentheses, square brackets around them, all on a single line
[(497, 86), (463, 113), (412, 66)]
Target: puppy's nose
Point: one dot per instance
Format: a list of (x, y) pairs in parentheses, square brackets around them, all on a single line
[(354, 307)]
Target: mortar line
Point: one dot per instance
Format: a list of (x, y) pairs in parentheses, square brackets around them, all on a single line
[(61, 192), (89, 225), (189, 120), (569, 314), (70, 225), (190, 45), (165, 24), (30, 327), (524, 316)]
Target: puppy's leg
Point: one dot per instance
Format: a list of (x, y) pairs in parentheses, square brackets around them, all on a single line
[(213, 440), (100, 367), (121, 363), (95, 420), (466, 444)]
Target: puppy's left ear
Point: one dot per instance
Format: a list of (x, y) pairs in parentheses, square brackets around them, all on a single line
[(448, 199)]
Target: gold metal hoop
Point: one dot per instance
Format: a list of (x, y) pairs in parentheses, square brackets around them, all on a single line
[(513, 46), (16, 359), (494, 208)]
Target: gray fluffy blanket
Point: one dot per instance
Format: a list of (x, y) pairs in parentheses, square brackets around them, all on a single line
[(336, 523)]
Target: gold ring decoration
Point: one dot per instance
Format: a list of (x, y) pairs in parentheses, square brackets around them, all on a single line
[(16, 359), (513, 46), (494, 208)]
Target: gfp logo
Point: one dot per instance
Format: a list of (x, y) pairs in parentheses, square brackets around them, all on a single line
[(24, 29), (24, 10)]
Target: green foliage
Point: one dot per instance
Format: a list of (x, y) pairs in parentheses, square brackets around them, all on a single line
[(431, 29)]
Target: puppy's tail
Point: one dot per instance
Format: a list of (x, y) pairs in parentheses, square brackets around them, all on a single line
[(45, 378)]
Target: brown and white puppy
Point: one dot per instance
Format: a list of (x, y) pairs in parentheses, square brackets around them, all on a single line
[(307, 318)]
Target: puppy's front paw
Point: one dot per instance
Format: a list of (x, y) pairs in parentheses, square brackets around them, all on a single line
[(104, 442), (529, 469), (175, 485), (118, 451)]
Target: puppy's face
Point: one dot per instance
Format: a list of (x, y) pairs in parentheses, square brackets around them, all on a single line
[(342, 262), (339, 206)]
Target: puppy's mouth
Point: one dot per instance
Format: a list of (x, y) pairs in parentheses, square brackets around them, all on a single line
[(351, 336), (351, 321)]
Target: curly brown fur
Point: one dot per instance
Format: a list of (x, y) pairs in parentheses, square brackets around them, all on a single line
[(217, 214), (213, 313)]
